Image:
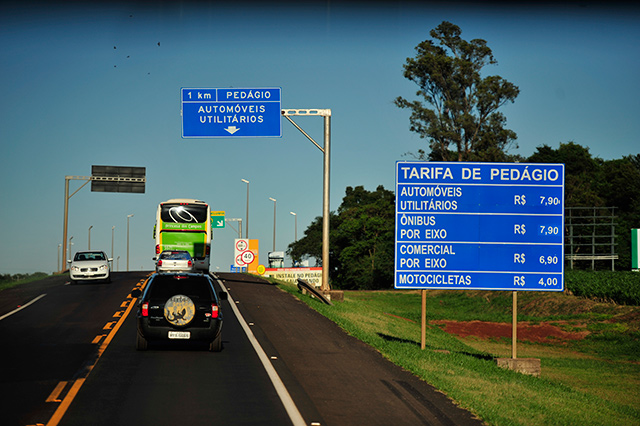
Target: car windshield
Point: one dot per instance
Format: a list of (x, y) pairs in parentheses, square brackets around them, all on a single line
[(96, 255), (164, 287), (175, 255)]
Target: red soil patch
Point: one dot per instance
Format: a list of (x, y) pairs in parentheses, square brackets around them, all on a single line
[(536, 333)]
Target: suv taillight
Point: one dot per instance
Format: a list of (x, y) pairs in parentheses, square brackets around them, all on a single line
[(214, 310), (145, 309), (189, 264), (159, 262)]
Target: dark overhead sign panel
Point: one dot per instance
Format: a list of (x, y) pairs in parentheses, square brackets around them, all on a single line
[(118, 179)]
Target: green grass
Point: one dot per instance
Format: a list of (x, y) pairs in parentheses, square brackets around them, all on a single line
[(594, 381), (8, 281), (617, 286)]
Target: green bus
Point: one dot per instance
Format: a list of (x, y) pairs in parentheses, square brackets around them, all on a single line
[(184, 224)]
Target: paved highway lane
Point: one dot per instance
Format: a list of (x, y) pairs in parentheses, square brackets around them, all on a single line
[(49, 341), (178, 385), (70, 359)]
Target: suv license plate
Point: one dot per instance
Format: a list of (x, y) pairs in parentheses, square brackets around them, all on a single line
[(179, 335)]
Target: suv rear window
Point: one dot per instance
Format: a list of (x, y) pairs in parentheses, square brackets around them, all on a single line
[(166, 286)]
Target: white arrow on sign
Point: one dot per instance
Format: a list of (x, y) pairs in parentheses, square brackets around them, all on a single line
[(220, 223), (232, 129)]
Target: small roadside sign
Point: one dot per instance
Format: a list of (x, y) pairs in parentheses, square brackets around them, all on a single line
[(246, 254), (217, 219)]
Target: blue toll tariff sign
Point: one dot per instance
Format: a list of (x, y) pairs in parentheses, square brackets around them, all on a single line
[(231, 112), (479, 226)]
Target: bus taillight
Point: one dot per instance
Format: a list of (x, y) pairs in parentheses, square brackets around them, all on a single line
[(157, 248), (208, 250)]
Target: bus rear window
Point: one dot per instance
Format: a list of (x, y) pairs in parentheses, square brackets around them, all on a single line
[(183, 213)]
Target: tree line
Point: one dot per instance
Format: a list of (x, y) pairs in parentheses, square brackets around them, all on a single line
[(458, 114), (362, 242)]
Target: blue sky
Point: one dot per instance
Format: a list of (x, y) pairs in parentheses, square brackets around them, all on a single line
[(88, 84)]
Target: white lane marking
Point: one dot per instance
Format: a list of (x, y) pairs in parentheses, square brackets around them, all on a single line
[(283, 393), (22, 307)]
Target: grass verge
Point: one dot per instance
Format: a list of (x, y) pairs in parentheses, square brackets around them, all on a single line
[(594, 380), (9, 281)]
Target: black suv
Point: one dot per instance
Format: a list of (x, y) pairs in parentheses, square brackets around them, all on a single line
[(179, 307)]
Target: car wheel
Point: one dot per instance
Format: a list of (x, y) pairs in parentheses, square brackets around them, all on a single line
[(216, 345), (141, 343)]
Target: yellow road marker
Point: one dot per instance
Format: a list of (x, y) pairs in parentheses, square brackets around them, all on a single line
[(56, 392)]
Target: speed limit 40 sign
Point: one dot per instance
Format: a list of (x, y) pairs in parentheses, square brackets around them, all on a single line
[(246, 254)]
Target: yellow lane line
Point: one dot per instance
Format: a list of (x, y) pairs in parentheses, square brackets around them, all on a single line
[(56, 392), (97, 339), (62, 408)]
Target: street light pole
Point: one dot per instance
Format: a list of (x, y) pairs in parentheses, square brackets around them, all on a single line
[(112, 228), (89, 245), (69, 248), (274, 222), (295, 229), (128, 216), (246, 225)]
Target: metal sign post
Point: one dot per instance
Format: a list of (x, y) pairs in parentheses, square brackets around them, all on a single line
[(122, 179), (254, 112), (326, 150)]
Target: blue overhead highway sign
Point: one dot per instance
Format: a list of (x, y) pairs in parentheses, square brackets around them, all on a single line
[(479, 226), (231, 112)]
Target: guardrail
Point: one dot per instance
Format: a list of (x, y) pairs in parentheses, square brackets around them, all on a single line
[(306, 288)]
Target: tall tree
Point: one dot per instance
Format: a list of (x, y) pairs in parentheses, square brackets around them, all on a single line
[(365, 239), (361, 240), (463, 123), (582, 173)]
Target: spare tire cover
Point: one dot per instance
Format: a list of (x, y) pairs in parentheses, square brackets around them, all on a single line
[(179, 310)]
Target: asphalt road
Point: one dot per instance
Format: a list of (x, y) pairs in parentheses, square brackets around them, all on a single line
[(50, 341), (336, 377), (56, 342), (69, 358)]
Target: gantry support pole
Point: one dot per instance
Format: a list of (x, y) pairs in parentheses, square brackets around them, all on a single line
[(326, 150)]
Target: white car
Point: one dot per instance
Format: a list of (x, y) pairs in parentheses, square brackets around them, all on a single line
[(89, 266), (174, 261)]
